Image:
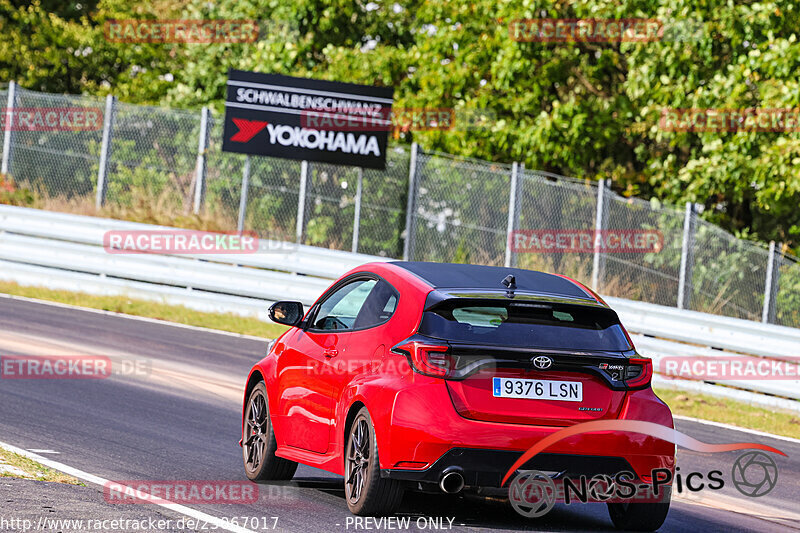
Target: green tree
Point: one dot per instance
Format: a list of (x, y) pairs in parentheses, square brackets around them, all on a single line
[(589, 110)]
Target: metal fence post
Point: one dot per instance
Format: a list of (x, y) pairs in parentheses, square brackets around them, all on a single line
[(771, 285), (243, 195), (600, 218), (687, 257), (200, 167), (357, 214), (5, 167), (513, 212), (301, 201), (105, 151), (408, 243)]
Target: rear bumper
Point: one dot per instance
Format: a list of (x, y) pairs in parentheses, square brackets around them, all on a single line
[(486, 468), (428, 433)]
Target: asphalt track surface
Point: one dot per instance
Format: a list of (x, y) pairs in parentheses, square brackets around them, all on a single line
[(180, 420)]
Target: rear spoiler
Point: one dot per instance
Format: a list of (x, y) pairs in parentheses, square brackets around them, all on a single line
[(436, 297)]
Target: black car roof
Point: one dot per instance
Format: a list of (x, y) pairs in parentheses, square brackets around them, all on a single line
[(447, 276)]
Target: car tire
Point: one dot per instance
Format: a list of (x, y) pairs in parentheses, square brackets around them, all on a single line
[(366, 492), (638, 516), (258, 441)]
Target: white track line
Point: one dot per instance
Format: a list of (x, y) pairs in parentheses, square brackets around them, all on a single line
[(737, 428), (96, 480), (132, 317)]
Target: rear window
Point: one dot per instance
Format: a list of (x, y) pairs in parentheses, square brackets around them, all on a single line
[(522, 324)]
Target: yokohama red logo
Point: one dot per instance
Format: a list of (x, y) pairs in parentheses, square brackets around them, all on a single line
[(247, 129)]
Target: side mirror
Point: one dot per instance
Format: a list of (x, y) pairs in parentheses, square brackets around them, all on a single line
[(287, 313)]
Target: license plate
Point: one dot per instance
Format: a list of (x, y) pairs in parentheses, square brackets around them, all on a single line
[(538, 389)]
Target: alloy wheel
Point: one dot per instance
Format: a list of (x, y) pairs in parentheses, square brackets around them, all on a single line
[(256, 431), (358, 459)]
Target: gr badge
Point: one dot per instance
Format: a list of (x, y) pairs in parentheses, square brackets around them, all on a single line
[(615, 371)]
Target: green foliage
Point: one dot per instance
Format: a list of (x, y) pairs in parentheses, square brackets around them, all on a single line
[(11, 194), (787, 304), (153, 153), (584, 109)]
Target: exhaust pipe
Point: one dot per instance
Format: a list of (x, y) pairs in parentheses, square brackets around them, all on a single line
[(452, 480)]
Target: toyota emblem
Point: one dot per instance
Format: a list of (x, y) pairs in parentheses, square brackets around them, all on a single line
[(542, 362)]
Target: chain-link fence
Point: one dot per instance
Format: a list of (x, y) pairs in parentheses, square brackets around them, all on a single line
[(728, 274), (560, 204), (270, 207), (382, 219), (48, 159), (787, 292), (4, 104), (151, 163), (460, 210), (166, 166), (647, 276)]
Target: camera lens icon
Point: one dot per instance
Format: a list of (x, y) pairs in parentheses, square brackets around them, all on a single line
[(754, 474), (532, 493)]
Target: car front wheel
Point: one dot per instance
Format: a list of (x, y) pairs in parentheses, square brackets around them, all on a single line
[(258, 441)]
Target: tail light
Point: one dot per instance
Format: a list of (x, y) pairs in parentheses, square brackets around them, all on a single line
[(425, 358), (638, 373)]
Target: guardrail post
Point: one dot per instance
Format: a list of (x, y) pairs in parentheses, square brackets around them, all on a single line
[(105, 151), (5, 166), (301, 202), (601, 216), (771, 285), (200, 167), (408, 242), (687, 257), (357, 215), (243, 195), (513, 212)]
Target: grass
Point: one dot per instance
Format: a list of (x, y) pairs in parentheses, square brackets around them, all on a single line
[(162, 209), (159, 311), (168, 207), (731, 412), (33, 470)]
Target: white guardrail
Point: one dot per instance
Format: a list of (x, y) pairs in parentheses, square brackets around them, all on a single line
[(63, 251)]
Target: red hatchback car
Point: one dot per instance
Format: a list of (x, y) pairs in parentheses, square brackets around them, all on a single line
[(410, 375)]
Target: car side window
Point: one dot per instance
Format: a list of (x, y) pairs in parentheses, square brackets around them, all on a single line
[(379, 307), (340, 310)]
